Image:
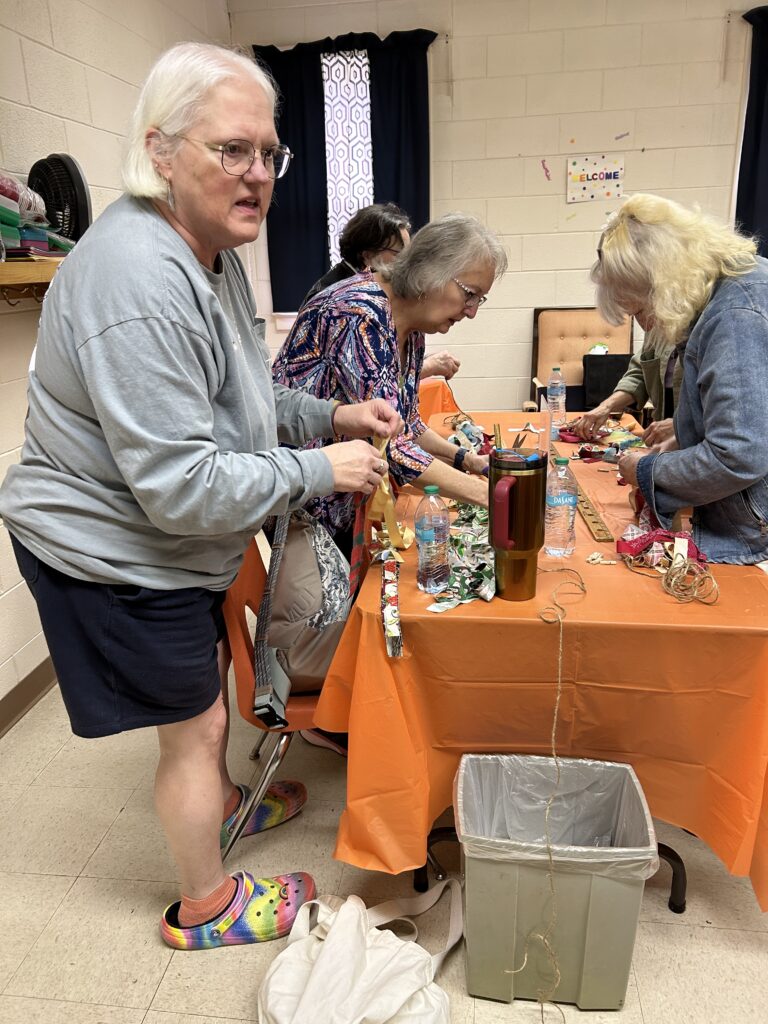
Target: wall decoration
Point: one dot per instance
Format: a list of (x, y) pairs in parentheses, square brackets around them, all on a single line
[(598, 176)]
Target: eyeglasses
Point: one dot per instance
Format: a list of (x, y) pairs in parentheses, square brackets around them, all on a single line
[(237, 156), (471, 299)]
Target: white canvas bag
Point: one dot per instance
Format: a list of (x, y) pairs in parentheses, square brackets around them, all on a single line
[(339, 968)]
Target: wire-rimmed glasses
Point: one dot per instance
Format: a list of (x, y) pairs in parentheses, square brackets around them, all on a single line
[(237, 156), (471, 299)]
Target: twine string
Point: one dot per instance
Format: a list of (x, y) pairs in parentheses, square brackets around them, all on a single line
[(685, 579), (553, 614)]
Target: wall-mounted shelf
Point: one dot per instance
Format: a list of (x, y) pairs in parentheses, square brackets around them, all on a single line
[(26, 280)]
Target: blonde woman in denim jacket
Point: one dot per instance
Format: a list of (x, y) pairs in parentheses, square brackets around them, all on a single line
[(702, 284)]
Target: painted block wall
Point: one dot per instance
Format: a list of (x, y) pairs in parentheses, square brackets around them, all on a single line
[(517, 82), (69, 78)]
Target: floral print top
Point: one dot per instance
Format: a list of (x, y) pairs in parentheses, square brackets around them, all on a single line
[(343, 346)]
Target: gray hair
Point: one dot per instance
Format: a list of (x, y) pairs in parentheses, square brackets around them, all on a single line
[(172, 100), (439, 252)]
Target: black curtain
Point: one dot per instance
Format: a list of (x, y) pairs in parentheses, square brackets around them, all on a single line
[(298, 225), (297, 218), (752, 194)]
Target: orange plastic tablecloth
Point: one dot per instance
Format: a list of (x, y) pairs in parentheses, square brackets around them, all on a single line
[(680, 691), (435, 397)]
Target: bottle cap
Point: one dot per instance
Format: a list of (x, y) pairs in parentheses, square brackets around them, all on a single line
[(431, 489), (561, 461), (555, 368)]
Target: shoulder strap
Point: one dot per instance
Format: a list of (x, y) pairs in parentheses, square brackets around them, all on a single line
[(413, 905)]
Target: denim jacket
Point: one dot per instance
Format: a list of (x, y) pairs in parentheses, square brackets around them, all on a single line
[(721, 426)]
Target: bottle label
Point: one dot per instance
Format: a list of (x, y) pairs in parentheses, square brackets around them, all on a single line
[(558, 500), (424, 534)]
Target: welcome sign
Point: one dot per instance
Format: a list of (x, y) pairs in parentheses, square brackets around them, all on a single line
[(600, 176)]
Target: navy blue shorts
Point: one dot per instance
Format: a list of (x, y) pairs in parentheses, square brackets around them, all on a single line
[(127, 657)]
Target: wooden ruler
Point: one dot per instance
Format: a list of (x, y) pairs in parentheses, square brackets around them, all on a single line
[(592, 518)]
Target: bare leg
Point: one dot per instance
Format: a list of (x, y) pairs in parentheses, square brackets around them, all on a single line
[(224, 657), (188, 797)]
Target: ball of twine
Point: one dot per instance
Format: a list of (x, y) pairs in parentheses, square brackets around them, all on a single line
[(687, 580)]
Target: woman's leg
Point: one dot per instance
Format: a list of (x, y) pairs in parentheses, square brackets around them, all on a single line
[(224, 659), (189, 799)]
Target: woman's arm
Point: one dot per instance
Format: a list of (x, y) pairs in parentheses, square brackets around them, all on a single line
[(444, 450), (590, 422), (149, 381), (729, 351), (454, 484)]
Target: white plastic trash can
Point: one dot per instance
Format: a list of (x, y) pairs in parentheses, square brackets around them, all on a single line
[(603, 848)]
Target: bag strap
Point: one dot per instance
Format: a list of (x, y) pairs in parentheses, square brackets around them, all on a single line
[(264, 683), (412, 906)]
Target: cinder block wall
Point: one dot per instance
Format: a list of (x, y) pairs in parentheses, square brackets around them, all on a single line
[(69, 77), (518, 82)]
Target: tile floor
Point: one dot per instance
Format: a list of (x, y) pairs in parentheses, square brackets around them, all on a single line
[(84, 875)]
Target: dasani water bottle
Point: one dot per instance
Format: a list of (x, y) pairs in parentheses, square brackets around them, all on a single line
[(560, 511), (432, 532)]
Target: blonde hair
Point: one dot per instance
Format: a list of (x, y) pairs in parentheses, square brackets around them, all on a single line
[(660, 256), (172, 100)]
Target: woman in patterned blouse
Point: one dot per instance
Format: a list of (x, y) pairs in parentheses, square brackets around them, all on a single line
[(365, 339)]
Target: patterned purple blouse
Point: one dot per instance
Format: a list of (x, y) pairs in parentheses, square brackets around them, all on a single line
[(343, 345)]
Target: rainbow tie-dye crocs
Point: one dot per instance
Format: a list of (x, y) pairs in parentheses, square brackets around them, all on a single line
[(262, 909), (281, 802)]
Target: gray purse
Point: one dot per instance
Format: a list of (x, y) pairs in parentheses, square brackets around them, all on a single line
[(302, 614)]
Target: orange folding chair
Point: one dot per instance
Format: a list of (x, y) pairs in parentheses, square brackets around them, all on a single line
[(246, 592)]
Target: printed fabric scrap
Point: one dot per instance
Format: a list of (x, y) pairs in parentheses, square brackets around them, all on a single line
[(645, 545), (390, 607), (471, 560)]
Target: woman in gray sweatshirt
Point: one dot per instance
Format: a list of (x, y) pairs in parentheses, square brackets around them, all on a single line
[(152, 456)]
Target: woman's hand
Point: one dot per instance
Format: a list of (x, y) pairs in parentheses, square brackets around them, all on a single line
[(589, 424), (659, 432), (628, 464), (476, 464), (376, 418), (441, 364), (357, 466), (670, 445)]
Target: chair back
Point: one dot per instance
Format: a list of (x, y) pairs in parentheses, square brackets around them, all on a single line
[(246, 592), (561, 337)]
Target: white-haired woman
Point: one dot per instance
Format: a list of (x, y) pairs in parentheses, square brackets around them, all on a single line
[(701, 284), (151, 458), (364, 339)]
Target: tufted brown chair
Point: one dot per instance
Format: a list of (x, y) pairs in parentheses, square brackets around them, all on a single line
[(562, 337)]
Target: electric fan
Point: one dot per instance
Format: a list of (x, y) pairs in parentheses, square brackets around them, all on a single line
[(61, 184)]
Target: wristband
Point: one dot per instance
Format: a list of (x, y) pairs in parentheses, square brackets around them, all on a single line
[(458, 458)]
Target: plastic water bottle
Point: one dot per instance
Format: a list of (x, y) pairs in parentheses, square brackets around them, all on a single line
[(432, 531), (556, 400), (560, 513)]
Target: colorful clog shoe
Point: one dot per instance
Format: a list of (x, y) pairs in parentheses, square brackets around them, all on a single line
[(282, 801), (262, 909)]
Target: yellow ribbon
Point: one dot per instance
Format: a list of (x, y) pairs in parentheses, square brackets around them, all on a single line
[(381, 508)]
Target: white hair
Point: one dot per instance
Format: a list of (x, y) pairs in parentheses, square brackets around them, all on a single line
[(439, 252), (172, 99)]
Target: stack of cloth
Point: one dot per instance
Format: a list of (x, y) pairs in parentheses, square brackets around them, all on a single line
[(10, 219)]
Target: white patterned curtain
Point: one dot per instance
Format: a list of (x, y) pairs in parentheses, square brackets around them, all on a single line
[(348, 148)]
